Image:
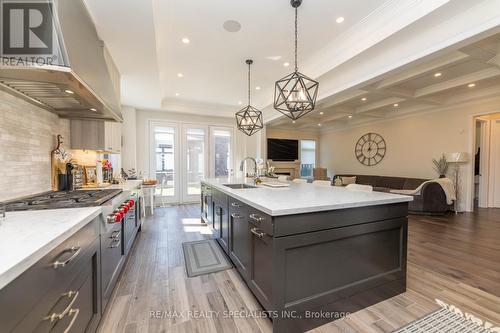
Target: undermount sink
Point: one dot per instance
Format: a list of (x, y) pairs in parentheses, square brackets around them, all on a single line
[(239, 186)]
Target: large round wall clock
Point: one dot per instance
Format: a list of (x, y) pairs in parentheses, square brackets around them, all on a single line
[(370, 149)]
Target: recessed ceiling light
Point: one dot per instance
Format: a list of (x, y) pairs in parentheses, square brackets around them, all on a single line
[(438, 74), (293, 121), (286, 64), (395, 105), (257, 88), (185, 40), (471, 85), (364, 99), (274, 58), (231, 26), (68, 91), (319, 124), (177, 94), (180, 75), (93, 109), (240, 102), (339, 19), (349, 116), (321, 113)]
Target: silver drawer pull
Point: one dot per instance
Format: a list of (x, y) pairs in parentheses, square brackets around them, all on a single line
[(115, 234), (256, 217), (257, 232), (56, 316), (235, 204), (74, 313), (115, 243), (75, 249), (235, 216)]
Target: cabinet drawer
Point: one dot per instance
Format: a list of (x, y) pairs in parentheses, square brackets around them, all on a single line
[(236, 205), (262, 221), (111, 260), (49, 277), (55, 311)]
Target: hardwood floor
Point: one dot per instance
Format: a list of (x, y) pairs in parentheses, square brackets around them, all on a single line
[(455, 259)]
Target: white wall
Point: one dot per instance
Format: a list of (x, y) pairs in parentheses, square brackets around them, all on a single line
[(129, 134), (412, 143)]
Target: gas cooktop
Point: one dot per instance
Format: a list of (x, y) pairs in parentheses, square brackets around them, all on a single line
[(53, 200)]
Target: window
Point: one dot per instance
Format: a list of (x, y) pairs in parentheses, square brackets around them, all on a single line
[(307, 157)]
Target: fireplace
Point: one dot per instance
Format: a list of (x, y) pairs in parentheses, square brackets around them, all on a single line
[(291, 169)]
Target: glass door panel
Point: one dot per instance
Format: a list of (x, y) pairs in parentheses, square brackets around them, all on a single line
[(221, 164), (194, 161), (164, 165)]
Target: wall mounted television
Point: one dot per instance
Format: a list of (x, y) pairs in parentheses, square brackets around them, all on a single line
[(282, 149)]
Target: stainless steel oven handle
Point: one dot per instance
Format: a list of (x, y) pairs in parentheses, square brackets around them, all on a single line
[(115, 234), (257, 233), (56, 316), (235, 216), (76, 251)]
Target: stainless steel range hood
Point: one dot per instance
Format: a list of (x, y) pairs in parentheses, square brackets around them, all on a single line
[(77, 83)]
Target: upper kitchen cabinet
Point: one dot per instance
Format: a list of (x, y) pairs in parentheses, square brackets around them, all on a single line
[(96, 135)]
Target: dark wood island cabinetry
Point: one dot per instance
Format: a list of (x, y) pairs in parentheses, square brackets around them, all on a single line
[(308, 269)]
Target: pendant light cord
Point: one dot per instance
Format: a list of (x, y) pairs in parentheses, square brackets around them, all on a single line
[(296, 36), (249, 84)]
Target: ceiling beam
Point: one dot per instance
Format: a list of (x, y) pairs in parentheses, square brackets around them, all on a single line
[(437, 63), (379, 104), (341, 98), (459, 81)]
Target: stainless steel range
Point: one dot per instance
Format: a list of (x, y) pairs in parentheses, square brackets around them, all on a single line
[(54, 200), (119, 224)]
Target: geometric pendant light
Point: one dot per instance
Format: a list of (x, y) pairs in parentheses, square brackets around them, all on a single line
[(295, 94), (249, 119)]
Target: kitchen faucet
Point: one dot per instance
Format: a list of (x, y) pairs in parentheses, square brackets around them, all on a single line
[(255, 175)]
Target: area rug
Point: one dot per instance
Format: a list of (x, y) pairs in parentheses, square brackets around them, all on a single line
[(448, 319), (204, 257)]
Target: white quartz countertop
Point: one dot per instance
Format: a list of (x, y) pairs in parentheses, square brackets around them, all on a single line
[(303, 198), (27, 236), (128, 185)]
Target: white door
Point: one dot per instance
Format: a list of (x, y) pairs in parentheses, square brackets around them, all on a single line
[(484, 156), (221, 148), (194, 160), (164, 160)]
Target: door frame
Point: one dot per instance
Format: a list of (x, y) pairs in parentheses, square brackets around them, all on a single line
[(185, 198), (152, 157)]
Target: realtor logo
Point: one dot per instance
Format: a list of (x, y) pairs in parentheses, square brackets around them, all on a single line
[(27, 27)]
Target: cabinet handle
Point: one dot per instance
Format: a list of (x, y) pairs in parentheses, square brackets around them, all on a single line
[(256, 217), (115, 243), (56, 316), (235, 204), (76, 250), (75, 313), (115, 234), (257, 233), (235, 216)]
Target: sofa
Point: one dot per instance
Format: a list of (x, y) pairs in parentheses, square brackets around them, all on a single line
[(430, 201)]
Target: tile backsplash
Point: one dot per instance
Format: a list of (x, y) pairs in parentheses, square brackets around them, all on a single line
[(27, 137)]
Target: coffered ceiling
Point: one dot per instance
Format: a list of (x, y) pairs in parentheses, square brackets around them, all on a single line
[(450, 78), (177, 55)]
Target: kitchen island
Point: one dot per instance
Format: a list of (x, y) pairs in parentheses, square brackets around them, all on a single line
[(310, 254)]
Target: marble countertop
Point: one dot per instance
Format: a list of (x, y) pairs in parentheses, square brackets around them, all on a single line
[(302, 198), (128, 185), (27, 236)]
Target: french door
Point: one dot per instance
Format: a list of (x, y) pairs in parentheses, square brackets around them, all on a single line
[(194, 160), (182, 154), (164, 160)]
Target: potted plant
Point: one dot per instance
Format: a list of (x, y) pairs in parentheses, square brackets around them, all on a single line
[(441, 166)]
